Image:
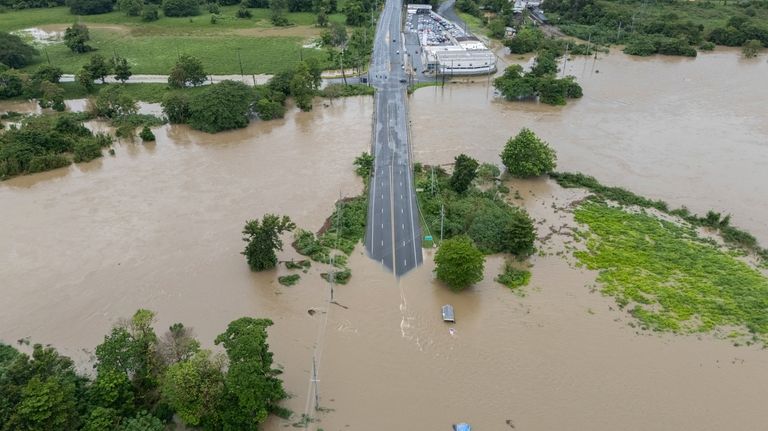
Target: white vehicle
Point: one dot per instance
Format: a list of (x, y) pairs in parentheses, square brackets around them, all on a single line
[(397, 52)]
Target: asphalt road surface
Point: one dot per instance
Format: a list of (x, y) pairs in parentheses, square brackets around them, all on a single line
[(393, 235)]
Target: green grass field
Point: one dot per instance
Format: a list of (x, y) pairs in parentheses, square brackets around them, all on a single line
[(153, 47)]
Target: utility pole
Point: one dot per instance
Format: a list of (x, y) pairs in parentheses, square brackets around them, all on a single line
[(241, 63), (442, 221), (433, 181), (618, 34), (314, 381)]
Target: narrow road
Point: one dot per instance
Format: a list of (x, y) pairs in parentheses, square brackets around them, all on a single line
[(393, 234)]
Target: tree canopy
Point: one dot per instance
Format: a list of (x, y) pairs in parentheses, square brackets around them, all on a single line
[(223, 106), (263, 238), (14, 52), (526, 155), (187, 71), (464, 171), (458, 263)]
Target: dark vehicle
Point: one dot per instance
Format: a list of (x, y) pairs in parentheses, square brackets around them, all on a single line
[(364, 80), (403, 80)]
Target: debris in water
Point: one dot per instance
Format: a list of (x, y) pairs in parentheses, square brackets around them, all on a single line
[(451, 331)]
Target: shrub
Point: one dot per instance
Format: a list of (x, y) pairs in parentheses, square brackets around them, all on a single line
[(14, 52), (87, 150), (75, 38), (187, 71), (150, 13), (513, 277), (181, 8), (146, 135), (458, 263), (176, 108), (243, 12), (89, 7), (289, 280)]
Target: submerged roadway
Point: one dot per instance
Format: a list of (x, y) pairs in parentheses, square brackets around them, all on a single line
[(393, 234)]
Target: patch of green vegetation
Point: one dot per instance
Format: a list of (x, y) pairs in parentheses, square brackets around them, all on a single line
[(150, 93), (513, 277), (346, 90), (416, 86), (669, 278), (289, 280), (712, 220), (301, 264)]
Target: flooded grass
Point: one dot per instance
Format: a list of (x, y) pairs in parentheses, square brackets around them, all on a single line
[(671, 279), (513, 278), (289, 280)]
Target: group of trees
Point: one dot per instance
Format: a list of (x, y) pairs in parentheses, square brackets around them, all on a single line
[(651, 34), (99, 68), (540, 82), (477, 222), (142, 380), (44, 142), (230, 104)]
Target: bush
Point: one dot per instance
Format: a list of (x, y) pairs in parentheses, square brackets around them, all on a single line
[(526, 155), (176, 108), (150, 13), (513, 277), (75, 38), (501, 228), (181, 8), (243, 12), (751, 48), (289, 280), (707, 46), (12, 83), (87, 150), (146, 135), (48, 73), (187, 71), (269, 109)]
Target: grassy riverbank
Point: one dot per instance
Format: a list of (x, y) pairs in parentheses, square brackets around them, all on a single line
[(152, 47)]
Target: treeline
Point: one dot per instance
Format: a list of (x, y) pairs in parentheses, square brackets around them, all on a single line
[(502, 11), (142, 380), (673, 33), (44, 142)]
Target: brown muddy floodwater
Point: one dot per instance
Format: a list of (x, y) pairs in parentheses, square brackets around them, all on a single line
[(158, 226), (693, 132)]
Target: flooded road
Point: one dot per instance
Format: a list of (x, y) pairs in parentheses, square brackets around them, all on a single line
[(692, 132), (158, 226)]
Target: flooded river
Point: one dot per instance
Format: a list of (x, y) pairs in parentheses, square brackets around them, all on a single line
[(693, 132), (158, 226)]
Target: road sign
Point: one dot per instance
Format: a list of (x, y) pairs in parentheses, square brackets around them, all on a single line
[(428, 238)]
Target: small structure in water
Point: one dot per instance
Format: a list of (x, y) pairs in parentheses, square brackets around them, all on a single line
[(462, 427), (448, 315)]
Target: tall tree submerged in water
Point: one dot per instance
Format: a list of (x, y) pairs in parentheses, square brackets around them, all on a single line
[(263, 238)]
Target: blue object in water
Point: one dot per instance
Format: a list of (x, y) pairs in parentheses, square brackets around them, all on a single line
[(462, 427)]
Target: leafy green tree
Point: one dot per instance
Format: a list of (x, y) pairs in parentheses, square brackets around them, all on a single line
[(85, 79), (14, 52), (131, 349), (181, 7), (101, 419), (458, 263), (526, 155), (112, 389), (322, 19), (501, 228), (46, 404), (98, 67), (176, 108), (121, 67), (187, 71), (243, 12), (76, 38), (252, 388), (89, 7), (303, 87), (364, 165), (268, 109), (12, 83), (194, 388), (131, 7), (222, 106), (150, 13), (751, 48), (544, 64), (48, 73), (143, 422), (114, 103), (488, 172), (277, 13), (464, 171), (51, 96), (526, 40), (263, 238)]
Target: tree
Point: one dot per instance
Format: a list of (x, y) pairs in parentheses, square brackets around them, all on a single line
[(526, 40), (131, 7), (51, 96), (75, 38), (98, 67), (222, 106), (464, 171), (277, 12), (143, 422), (188, 70), (252, 388), (544, 64), (12, 83), (121, 68), (177, 344), (194, 388), (502, 228), (89, 7), (101, 419), (176, 108), (114, 103), (322, 19), (112, 390), (303, 87), (85, 79), (458, 263), (14, 52), (268, 109), (263, 238), (181, 7), (243, 12), (150, 13), (526, 155), (751, 48), (48, 73), (46, 404)]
